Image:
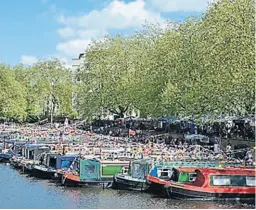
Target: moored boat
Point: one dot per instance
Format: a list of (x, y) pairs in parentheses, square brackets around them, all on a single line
[(135, 179), (5, 157), (93, 172), (47, 166), (163, 173), (166, 175), (216, 184), (63, 163)]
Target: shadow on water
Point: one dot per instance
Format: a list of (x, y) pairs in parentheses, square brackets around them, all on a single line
[(23, 191)]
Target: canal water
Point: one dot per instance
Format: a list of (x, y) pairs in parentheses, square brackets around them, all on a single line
[(21, 191)]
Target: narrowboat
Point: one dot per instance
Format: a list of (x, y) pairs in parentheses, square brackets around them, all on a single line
[(166, 175), (63, 163), (216, 184), (31, 153), (162, 173), (5, 157), (46, 169), (15, 162), (135, 179), (93, 172)]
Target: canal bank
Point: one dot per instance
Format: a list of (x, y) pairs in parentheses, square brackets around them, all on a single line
[(21, 191)]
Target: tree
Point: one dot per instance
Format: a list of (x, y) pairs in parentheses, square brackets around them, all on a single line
[(48, 86), (52, 83), (12, 96)]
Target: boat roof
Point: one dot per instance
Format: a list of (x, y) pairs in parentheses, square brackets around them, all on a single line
[(186, 169), (142, 161), (227, 171)]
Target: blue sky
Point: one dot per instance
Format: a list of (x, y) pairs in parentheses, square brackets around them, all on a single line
[(39, 29)]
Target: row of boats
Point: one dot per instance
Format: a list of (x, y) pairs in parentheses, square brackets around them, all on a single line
[(203, 180)]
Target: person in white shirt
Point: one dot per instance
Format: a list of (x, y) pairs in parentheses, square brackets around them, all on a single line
[(228, 149), (216, 148)]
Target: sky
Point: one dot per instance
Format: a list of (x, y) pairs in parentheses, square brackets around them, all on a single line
[(33, 30)]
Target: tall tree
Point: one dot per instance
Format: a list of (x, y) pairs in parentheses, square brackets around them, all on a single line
[(12, 95)]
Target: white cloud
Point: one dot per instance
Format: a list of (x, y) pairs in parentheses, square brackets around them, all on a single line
[(116, 15), (79, 30), (180, 5), (28, 60), (73, 47)]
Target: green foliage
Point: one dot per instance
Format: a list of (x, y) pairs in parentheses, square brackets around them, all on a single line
[(198, 67), (12, 95), (30, 92)]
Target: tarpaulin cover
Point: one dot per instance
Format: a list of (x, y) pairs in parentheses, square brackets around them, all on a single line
[(154, 172), (139, 171), (65, 164), (64, 161), (89, 170)]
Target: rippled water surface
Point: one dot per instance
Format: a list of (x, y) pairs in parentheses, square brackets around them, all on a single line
[(20, 191)]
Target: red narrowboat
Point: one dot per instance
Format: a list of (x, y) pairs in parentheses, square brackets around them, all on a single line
[(156, 185), (216, 184)]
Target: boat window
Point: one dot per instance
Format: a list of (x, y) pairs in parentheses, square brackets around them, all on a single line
[(232, 180), (164, 173), (238, 181), (250, 181), (125, 171), (52, 162), (221, 180), (192, 177)]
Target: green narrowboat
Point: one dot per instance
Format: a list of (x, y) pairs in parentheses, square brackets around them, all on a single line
[(93, 172)]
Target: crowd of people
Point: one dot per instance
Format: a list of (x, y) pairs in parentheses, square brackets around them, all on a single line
[(142, 142)]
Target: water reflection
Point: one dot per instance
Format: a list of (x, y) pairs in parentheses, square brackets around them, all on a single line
[(22, 191)]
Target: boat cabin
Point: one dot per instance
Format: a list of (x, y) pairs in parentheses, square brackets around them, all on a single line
[(31, 151), (94, 169), (64, 161), (183, 174), (140, 168), (228, 177), (216, 184), (49, 159)]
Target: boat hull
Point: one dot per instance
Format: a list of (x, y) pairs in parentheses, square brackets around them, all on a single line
[(156, 186), (74, 181), (16, 165), (41, 174), (180, 194), (5, 158), (128, 184)]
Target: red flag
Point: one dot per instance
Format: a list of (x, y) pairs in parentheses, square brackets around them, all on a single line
[(131, 132)]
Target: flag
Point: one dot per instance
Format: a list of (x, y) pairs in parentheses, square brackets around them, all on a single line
[(131, 132), (72, 166)]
